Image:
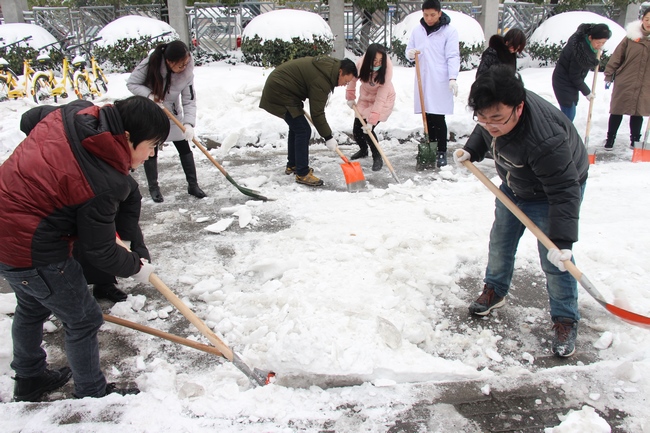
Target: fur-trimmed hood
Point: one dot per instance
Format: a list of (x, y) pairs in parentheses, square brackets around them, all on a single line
[(634, 31)]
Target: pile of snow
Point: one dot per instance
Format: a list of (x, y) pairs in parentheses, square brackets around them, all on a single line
[(287, 24), (134, 27), (10, 33), (559, 28)]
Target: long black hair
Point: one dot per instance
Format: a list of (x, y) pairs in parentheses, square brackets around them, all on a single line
[(174, 51), (368, 59)]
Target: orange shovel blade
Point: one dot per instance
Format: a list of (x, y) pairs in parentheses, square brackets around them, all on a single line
[(641, 155), (354, 177)]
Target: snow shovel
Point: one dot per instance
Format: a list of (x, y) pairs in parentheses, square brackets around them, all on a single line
[(427, 150), (256, 376), (246, 191), (642, 153), (374, 140), (592, 152), (634, 318), (352, 171)]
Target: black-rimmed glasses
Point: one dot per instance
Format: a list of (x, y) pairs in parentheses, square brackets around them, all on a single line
[(495, 124)]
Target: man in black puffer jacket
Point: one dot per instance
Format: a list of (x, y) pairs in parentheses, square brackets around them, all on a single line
[(63, 185), (543, 165), (578, 56)]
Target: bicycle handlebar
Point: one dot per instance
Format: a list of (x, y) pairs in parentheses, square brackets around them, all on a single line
[(26, 38)]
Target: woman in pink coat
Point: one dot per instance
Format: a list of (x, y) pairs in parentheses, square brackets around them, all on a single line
[(376, 99)]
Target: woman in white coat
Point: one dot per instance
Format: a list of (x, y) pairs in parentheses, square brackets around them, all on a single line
[(167, 77), (439, 59)]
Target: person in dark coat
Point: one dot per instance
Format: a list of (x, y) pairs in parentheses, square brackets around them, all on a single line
[(285, 90), (577, 58), (128, 229), (64, 185), (543, 166), (503, 50)]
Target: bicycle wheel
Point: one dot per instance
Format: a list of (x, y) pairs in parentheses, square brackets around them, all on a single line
[(42, 90), (4, 89), (99, 82), (82, 87)]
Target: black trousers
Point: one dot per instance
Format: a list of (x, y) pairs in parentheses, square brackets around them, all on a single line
[(437, 126)]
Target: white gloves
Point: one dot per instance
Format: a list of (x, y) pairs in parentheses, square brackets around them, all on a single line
[(590, 96), (453, 86), (145, 270), (189, 132), (331, 144), (557, 257), (460, 156), (410, 54), (367, 129), (351, 103)]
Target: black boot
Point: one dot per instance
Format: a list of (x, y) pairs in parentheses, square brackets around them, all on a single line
[(33, 388), (113, 388), (187, 162), (151, 170), (109, 291), (362, 153), (634, 139), (609, 143)]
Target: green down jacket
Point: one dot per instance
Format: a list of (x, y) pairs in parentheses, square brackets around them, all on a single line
[(292, 82)]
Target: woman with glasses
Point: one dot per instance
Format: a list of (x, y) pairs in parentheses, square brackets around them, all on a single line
[(376, 99), (577, 58), (167, 77)]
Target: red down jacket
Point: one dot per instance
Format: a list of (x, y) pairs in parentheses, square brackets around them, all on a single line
[(64, 183)]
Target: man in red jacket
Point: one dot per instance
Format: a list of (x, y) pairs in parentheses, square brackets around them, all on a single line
[(63, 185)]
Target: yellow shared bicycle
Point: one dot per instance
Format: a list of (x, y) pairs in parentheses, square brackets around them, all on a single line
[(45, 82), (12, 86), (88, 82)]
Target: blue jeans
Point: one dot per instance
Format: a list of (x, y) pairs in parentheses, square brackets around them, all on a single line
[(298, 143), (506, 231), (570, 111), (59, 289)]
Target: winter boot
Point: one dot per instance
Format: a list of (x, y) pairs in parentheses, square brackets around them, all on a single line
[(634, 139), (187, 162), (566, 333), (609, 143), (151, 170), (109, 291), (309, 179), (377, 162), (33, 388), (442, 159), (361, 153), (487, 302), (290, 170)]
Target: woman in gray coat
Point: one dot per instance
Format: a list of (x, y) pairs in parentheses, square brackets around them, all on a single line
[(167, 77), (629, 69)]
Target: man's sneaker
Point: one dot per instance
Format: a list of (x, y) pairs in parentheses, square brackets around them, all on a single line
[(309, 179), (442, 159), (109, 291), (488, 301), (33, 388), (112, 388), (564, 341), (290, 170)]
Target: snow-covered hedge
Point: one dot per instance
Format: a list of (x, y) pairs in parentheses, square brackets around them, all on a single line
[(277, 36)]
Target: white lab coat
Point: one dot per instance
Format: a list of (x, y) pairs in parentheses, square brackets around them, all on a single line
[(439, 61)]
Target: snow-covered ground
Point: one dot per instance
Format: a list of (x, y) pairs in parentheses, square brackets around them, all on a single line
[(327, 287)]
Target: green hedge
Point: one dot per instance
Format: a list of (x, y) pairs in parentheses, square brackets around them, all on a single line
[(277, 51), (470, 56)]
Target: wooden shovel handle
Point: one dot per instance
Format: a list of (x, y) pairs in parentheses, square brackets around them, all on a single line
[(419, 77), (374, 140), (162, 334)]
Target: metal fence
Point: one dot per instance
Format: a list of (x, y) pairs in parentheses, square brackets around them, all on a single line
[(217, 28)]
